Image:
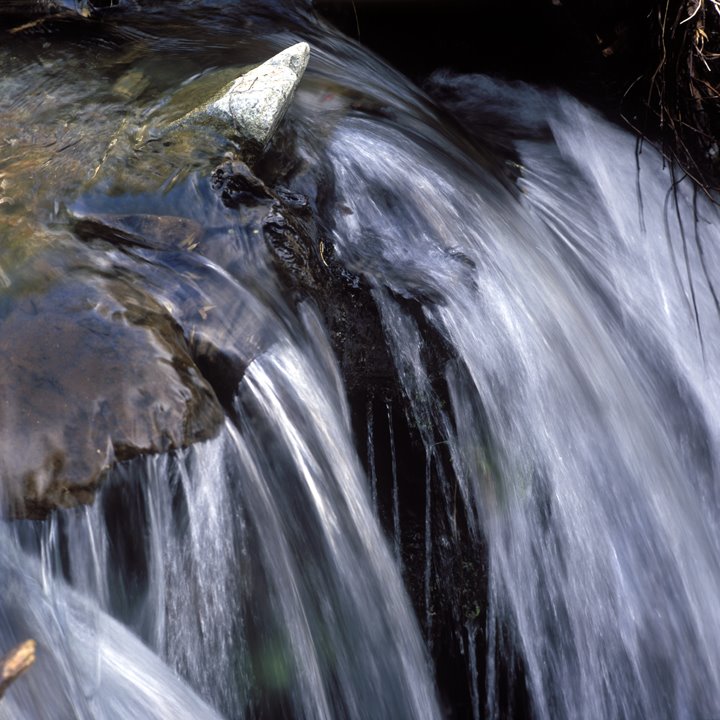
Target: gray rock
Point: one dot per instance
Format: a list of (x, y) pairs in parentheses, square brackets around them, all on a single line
[(254, 104)]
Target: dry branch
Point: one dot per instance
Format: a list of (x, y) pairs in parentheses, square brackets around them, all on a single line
[(15, 663)]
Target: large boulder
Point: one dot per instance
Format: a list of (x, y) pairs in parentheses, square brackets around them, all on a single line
[(93, 371)]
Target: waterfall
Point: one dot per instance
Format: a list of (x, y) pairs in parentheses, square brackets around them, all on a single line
[(535, 532), (583, 392), (251, 564)]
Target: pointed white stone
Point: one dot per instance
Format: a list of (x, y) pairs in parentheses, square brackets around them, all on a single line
[(255, 103)]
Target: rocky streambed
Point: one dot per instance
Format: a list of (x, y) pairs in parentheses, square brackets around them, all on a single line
[(122, 318)]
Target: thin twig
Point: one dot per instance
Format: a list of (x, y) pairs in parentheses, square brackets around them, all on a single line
[(15, 663)]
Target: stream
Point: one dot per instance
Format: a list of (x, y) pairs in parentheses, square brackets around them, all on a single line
[(426, 395)]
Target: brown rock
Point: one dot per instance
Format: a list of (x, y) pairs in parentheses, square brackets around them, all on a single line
[(93, 372)]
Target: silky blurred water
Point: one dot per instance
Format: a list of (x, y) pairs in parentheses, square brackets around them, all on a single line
[(252, 565), (570, 277), (583, 419)]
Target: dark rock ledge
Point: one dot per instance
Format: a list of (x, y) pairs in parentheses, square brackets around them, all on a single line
[(91, 375)]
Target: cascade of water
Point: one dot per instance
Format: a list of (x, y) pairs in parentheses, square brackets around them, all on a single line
[(248, 576), (370, 420), (427, 575), (397, 533), (336, 531), (252, 564), (89, 665), (471, 629), (585, 429), (491, 681)]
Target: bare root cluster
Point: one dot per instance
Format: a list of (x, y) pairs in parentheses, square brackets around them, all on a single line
[(684, 90)]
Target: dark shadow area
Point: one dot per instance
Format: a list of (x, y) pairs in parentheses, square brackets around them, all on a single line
[(644, 63)]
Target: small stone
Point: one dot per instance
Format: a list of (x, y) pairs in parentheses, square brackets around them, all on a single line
[(131, 85)]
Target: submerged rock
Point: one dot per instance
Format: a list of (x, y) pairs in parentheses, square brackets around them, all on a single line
[(155, 232)]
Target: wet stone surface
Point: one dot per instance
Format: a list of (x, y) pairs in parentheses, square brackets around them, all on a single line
[(125, 320), (92, 373)]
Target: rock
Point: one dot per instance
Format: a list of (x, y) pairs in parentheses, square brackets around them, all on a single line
[(117, 336), (131, 85), (94, 371), (201, 121), (155, 232), (224, 326), (255, 103)]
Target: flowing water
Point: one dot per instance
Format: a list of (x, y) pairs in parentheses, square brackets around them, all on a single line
[(582, 418), (252, 564), (546, 288)]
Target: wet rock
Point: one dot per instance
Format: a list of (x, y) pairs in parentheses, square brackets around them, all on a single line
[(306, 268), (224, 325), (239, 186), (93, 373)]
